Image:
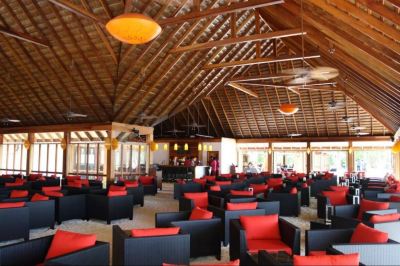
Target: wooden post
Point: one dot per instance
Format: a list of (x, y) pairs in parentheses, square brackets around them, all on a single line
[(308, 153), (65, 169), (110, 160), (350, 158), (29, 153), (270, 161), (149, 161)]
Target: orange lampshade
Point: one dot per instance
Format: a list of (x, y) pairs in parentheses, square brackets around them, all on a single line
[(133, 28), (288, 109)]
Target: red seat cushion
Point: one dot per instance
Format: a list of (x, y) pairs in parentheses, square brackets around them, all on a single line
[(339, 188), (39, 197), (259, 188), (75, 184), (394, 198), (200, 198), (265, 227), (210, 178), (366, 234), (317, 253), (369, 205), (241, 206), (385, 218), (67, 242), (146, 180), (114, 193), (293, 190), (241, 193), (201, 181), (18, 194), (223, 183), (53, 188), (200, 214), (327, 260), (5, 205), (335, 197), (155, 232), (54, 194), (117, 188), (215, 188), (131, 184), (271, 245)]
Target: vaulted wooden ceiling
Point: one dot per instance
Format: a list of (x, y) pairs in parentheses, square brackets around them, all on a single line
[(64, 59)]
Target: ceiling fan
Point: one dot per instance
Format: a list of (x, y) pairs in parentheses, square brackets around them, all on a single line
[(174, 131), (194, 125), (356, 128), (70, 114), (303, 76), (143, 116), (208, 136), (335, 105), (7, 120), (360, 133), (291, 135), (347, 119)]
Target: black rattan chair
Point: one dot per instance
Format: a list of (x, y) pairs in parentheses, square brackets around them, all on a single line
[(109, 208)]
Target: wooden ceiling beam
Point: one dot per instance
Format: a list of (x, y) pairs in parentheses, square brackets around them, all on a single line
[(236, 7), (260, 77), (264, 60), (241, 39), (242, 89), (81, 12), (24, 37)]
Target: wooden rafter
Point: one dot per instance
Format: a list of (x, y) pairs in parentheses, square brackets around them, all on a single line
[(242, 89), (24, 37)]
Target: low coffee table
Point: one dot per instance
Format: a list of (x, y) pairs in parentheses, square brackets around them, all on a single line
[(263, 257)]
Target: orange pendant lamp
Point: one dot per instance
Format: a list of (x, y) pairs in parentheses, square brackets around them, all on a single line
[(288, 109), (133, 28)]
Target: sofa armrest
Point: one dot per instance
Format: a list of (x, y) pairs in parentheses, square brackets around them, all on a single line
[(367, 215), (216, 201), (185, 204), (238, 242), (270, 207), (96, 255), (339, 222), (319, 240), (348, 211), (164, 219), (290, 235)]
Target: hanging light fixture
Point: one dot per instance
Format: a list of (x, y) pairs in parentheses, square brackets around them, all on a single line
[(165, 147), (308, 150), (133, 28), (396, 147), (199, 147), (350, 150), (269, 151), (27, 144), (186, 147), (154, 146), (175, 146), (210, 147), (288, 109), (204, 147)]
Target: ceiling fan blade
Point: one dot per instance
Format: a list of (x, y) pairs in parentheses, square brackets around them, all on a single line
[(204, 136), (242, 89), (324, 73), (300, 80), (294, 90)]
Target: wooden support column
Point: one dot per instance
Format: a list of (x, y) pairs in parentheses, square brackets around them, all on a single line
[(149, 159), (110, 161), (350, 158), (308, 154), (29, 153), (270, 161), (65, 169), (1, 150)]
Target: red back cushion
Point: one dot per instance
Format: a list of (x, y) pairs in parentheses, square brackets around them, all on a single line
[(116, 193), (8, 184), (293, 190), (54, 194), (75, 184), (146, 180), (275, 182), (241, 193), (339, 188), (226, 175), (215, 188), (39, 197), (200, 214), (327, 260), (210, 178), (335, 197), (18, 194), (131, 183), (385, 218), (201, 181), (155, 232), (5, 205), (223, 183), (265, 227), (117, 188), (53, 188), (369, 205), (366, 234), (394, 198), (84, 182), (304, 185), (259, 188), (241, 206), (67, 242), (33, 177), (200, 198), (72, 177)]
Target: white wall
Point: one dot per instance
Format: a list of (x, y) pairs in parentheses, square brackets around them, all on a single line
[(216, 146), (228, 154), (161, 156)]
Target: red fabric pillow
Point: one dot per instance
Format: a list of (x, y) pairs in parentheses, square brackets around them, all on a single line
[(67, 242), (339, 188), (131, 184), (327, 260), (394, 198), (155, 232), (241, 206), (5, 205), (366, 234), (8, 184), (215, 188), (259, 188), (75, 184), (223, 183), (54, 194), (226, 175), (210, 178), (116, 193), (53, 188), (385, 218), (201, 181), (146, 180), (73, 177), (263, 227), (241, 193), (335, 197), (369, 205), (275, 182), (18, 194), (293, 190), (200, 214), (39, 197), (200, 198), (304, 185), (117, 188)]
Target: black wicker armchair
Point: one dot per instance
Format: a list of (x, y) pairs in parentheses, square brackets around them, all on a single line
[(14, 223), (149, 184), (70, 207), (290, 204), (179, 189), (205, 235), (102, 207), (126, 250)]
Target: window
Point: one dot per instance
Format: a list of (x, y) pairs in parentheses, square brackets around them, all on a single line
[(13, 158), (87, 159), (253, 157), (290, 156), (130, 159), (47, 158), (329, 156)]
